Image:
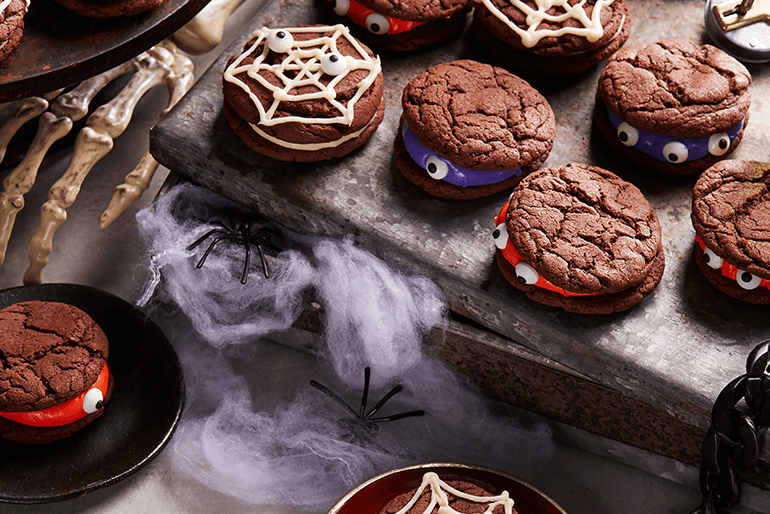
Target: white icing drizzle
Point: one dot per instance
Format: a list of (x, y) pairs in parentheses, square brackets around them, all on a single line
[(309, 147), (591, 28), (304, 61), (438, 497)]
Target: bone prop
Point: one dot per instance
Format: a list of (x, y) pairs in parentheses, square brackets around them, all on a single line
[(20, 180), (204, 31), (75, 103), (25, 110), (137, 182), (92, 143)]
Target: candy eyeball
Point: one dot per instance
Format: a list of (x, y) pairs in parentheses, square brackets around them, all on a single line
[(341, 7), (500, 235), (719, 144), (746, 280), (436, 168), (627, 134), (675, 152), (713, 260), (280, 41), (526, 274), (93, 400), (334, 64), (377, 24)]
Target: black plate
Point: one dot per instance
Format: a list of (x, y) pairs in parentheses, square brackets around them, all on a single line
[(60, 48), (137, 422)]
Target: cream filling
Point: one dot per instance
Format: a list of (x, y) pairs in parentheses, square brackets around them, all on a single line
[(439, 498), (309, 147), (591, 28)]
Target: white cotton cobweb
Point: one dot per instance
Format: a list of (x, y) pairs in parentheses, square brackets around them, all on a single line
[(253, 427)]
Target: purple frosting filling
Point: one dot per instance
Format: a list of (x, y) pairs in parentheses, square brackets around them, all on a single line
[(654, 144), (454, 174)]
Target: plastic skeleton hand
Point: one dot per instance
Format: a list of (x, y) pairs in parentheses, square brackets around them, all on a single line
[(162, 64), (204, 31)]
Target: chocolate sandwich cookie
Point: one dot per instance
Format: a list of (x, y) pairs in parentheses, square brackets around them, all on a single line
[(449, 496), (731, 217), (400, 25), (551, 37), (673, 105), (11, 25), (304, 93), (470, 130), (580, 238), (54, 377), (109, 8)]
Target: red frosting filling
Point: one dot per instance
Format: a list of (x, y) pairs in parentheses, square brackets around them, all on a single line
[(67, 412)]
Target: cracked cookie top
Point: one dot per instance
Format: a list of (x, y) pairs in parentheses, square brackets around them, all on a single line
[(731, 213), (584, 229), (676, 87), (478, 116), (49, 353)]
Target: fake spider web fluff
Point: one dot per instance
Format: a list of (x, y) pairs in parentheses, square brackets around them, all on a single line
[(301, 67), (254, 428), (590, 27)]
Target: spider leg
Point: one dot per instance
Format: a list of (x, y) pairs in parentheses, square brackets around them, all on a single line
[(246, 261), (365, 394), (334, 396), (203, 237), (384, 399), (253, 237), (264, 262), (394, 417), (208, 250)]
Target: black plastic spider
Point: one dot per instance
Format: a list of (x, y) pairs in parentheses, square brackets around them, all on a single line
[(238, 234), (362, 425)]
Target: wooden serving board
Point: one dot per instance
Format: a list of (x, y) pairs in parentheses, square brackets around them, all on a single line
[(675, 351)]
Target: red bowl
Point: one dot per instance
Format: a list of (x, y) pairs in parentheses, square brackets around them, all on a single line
[(372, 496)]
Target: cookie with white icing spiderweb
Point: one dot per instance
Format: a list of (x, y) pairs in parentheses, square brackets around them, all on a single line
[(551, 37), (304, 93)]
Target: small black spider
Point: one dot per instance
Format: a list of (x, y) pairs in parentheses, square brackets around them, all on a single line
[(362, 425), (237, 234)]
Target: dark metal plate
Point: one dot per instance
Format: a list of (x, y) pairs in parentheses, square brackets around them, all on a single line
[(60, 48), (137, 423)]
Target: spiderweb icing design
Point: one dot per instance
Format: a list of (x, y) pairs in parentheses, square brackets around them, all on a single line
[(591, 27), (438, 497), (301, 66)]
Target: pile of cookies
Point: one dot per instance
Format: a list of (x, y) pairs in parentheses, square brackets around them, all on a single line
[(572, 236)]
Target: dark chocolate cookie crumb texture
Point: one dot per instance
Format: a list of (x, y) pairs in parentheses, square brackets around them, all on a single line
[(470, 130), (278, 96), (11, 26), (673, 105), (110, 8), (551, 37), (580, 238), (731, 218), (401, 26), (50, 354)]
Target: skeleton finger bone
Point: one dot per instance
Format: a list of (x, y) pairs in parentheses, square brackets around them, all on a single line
[(90, 147), (75, 103), (24, 111), (50, 129), (136, 183), (204, 31)]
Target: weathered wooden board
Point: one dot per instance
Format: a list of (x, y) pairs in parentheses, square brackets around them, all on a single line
[(675, 351)]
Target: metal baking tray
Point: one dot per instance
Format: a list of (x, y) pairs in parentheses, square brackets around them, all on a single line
[(675, 351)]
